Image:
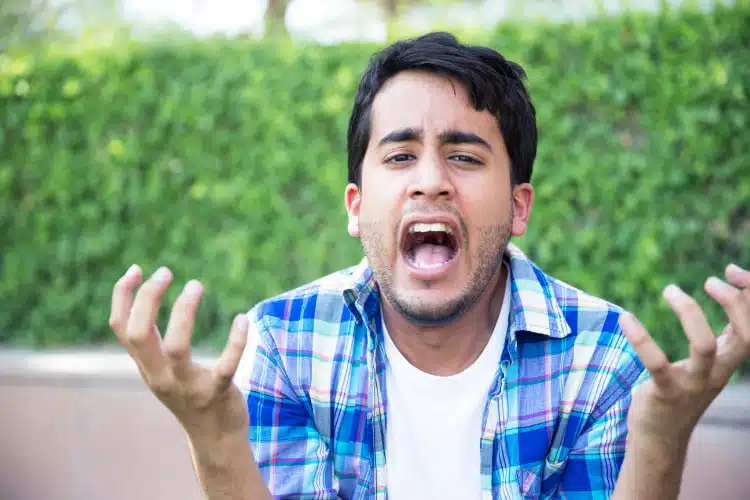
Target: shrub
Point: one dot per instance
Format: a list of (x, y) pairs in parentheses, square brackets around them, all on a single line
[(225, 160)]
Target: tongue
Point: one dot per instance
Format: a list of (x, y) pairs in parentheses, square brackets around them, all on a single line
[(427, 255)]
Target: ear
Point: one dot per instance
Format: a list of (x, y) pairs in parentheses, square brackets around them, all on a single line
[(523, 199), (352, 198)]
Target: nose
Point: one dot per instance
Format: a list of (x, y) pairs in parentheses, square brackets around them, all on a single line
[(431, 180)]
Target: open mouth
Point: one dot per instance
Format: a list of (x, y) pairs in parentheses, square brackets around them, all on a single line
[(429, 246)]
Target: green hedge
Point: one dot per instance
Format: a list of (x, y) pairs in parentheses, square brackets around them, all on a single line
[(225, 159)]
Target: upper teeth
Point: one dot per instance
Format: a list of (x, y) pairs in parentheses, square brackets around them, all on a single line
[(421, 227)]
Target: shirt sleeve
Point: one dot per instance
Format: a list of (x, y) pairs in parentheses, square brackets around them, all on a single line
[(597, 455), (292, 458)]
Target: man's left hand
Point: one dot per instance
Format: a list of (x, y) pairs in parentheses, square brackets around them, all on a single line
[(667, 407)]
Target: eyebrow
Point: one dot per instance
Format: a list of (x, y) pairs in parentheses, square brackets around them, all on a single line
[(447, 137)]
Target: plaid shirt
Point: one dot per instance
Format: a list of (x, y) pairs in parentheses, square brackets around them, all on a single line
[(555, 418)]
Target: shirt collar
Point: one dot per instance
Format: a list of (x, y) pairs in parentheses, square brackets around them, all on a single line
[(535, 308)]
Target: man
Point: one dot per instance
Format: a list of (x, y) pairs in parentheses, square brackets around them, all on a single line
[(445, 365)]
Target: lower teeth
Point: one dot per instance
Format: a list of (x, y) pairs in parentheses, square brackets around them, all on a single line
[(420, 265), (428, 266)]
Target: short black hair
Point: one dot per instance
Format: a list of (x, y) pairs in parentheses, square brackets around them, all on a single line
[(493, 83)]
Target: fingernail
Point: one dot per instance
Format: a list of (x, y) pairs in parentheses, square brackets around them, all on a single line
[(735, 268), (628, 317), (240, 321), (672, 291), (131, 270), (162, 274), (193, 289), (713, 282)]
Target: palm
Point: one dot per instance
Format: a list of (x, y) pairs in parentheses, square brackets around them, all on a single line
[(199, 396)]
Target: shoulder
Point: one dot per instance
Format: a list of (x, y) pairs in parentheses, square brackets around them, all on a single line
[(308, 306), (297, 330), (584, 312), (600, 364), (605, 369), (550, 306)]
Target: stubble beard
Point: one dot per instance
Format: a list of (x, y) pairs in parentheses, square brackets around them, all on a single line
[(493, 241)]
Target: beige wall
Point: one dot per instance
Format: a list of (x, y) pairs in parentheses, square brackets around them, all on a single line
[(83, 427)]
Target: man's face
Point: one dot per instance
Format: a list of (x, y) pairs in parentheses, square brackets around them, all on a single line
[(435, 209)]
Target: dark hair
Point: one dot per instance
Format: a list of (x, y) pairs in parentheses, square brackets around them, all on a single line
[(493, 83)]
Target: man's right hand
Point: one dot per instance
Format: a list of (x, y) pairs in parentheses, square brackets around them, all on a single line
[(204, 399), (207, 404)]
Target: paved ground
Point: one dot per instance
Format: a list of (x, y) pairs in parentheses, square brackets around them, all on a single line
[(81, 426)]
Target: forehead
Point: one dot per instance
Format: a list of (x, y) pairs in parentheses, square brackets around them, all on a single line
[(429, 102)]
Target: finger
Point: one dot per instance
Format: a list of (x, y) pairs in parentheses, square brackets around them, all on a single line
[(701, 338), (738, 277), (142, 334), (122, 300), (728, 355), (650, 354), (736, 304), (176, 344), (227, 364), (737, 307)]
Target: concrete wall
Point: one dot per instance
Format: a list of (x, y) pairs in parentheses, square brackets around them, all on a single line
[(82, 426)]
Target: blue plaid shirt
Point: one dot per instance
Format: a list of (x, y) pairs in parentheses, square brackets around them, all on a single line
[(555, 418)]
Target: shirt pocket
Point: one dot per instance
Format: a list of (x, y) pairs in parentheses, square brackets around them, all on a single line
[(354, 479), (540, 481), (529, 483)]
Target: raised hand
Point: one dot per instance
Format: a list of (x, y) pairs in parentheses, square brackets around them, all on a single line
[(203, 399), (668, 406)]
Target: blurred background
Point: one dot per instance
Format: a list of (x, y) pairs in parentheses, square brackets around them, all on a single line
[(210, 136)]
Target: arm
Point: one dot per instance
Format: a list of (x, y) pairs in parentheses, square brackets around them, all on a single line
[(593, 465), (293, 459), (667, 407), (207, 405), (652, 422), (609, 462), (226, 469), (283, 450), (650, 471)]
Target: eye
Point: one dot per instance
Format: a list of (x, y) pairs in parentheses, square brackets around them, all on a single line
[(465, 159), (400, 158)]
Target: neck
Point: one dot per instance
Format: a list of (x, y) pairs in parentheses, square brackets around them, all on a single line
[(451, 348)]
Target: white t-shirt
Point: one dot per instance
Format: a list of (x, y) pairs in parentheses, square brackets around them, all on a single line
[(435, 423)]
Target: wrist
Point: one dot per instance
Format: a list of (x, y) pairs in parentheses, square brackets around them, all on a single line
[(663, 456), (217, 428), (651, 437)]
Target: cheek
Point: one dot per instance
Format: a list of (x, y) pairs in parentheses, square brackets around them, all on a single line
[(380, 202), (489, 198), (377, 222), (485, 213), (368, 213)]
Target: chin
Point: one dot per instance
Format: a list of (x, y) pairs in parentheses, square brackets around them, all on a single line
[(431, 308)]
